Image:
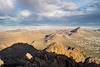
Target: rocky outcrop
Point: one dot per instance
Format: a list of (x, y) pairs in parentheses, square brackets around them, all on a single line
[(28, 56), (74, 53), (57, 45), (74, 31), (25, 55), (94, 60), (1, 62)]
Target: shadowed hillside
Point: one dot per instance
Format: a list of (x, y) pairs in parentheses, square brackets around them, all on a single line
[(15, 56)]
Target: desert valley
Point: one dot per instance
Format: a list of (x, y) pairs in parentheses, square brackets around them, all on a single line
[(77, 44)]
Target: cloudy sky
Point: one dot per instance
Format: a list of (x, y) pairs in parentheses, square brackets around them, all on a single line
[(50, 12)]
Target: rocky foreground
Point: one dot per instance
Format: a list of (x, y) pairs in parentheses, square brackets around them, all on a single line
[(50, 48), (25, 55)]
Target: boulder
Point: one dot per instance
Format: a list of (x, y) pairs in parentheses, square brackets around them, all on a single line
[(1, 62), (29, 56)]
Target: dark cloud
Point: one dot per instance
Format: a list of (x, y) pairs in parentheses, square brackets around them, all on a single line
[(52, 11)]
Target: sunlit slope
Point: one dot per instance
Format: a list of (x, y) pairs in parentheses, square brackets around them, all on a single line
[(87, 40)]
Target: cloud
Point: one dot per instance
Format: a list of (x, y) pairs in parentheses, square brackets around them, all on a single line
[(54, 14), (6, 6), (25, 13), (8, 20), (52, 8), (52, 11), (70, 6)]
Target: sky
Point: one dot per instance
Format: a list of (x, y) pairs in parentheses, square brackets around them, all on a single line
[(50, 12)]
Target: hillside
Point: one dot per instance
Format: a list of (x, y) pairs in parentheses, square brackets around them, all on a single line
[(80, 45)]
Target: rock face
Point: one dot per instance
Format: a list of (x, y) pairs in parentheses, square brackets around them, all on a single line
[(74, 31), (28, 56), (25, 55), (94, 60), (1, 62), (74, 53), (22, 54), (56, 45)]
